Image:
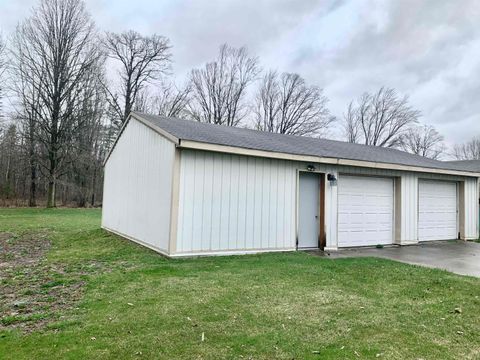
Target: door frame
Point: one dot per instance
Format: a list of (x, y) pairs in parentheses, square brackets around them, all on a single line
[(322, 236)]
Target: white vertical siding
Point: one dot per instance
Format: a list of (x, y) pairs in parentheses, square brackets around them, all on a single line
[(331, 210), (230, 202), (138, 186), (470, 203), (238, 203), (408, 208)]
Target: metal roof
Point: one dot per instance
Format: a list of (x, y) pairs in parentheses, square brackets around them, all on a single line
[(290, 144)]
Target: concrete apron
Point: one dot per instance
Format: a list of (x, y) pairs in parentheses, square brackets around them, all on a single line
[(456, 256)]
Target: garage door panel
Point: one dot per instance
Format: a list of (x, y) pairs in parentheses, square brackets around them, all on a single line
[(437, 210), (353, 219), (383, 219), (365, 211)]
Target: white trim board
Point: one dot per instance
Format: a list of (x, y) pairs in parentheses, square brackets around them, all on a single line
[(148, 124), (230, 252), (189, 144)]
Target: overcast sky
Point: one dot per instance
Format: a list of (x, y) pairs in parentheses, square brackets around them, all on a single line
[(429, 50)]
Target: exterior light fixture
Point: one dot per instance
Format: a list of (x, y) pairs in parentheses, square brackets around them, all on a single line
[(311, 168), (332, 179)]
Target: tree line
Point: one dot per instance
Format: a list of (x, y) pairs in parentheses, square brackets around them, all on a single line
[(67, 104)]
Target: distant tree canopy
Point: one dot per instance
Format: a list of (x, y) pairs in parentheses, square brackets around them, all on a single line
[(219, 88), (381, 118), (57, 61), (142, 60), (2, 71), (468, 151), (72, 88), (285, 104), (424, 141)]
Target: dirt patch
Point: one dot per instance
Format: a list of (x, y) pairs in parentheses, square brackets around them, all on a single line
[(34, 292), (24, 250)]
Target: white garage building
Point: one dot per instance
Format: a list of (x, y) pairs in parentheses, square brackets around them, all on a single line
[(186, 188)]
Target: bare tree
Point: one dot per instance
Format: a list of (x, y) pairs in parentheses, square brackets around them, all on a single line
[(143, 102), (9, 159), (27, 91), (424, 141), (171, 101), (142, 59), (2, 55), (379, 119), (87, 141), (54, 51), (468, 151), (219, 88), (352, 125), (28, 88), (285, 104), (3, 64)]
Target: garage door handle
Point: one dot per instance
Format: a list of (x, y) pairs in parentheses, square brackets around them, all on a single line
[(316, 216)]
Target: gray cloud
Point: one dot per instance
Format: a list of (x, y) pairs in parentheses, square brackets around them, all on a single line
[(428, 49)]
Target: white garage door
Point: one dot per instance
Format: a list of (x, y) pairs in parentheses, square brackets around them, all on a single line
[(365, 211), (437, 210)]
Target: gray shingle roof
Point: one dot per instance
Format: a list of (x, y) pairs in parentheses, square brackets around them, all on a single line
[(466, 165), (290, 144)]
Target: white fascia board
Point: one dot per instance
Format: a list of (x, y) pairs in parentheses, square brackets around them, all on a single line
[(155, 128), (148, 124), (189, 144)]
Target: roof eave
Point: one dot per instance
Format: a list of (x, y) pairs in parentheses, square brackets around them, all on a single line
[(195, 145)]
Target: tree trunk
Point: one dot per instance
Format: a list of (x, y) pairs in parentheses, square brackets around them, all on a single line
[(94, 185), (52, 155), (128, 105), (65, 195), (32, 200), (7, 171), (51, 193)]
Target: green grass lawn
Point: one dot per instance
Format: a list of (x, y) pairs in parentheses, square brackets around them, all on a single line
[(87, 294)]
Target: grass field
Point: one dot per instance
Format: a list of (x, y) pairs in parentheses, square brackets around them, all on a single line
[(70, 290)]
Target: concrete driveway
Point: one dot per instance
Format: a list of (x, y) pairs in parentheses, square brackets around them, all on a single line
[(459, 257)]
